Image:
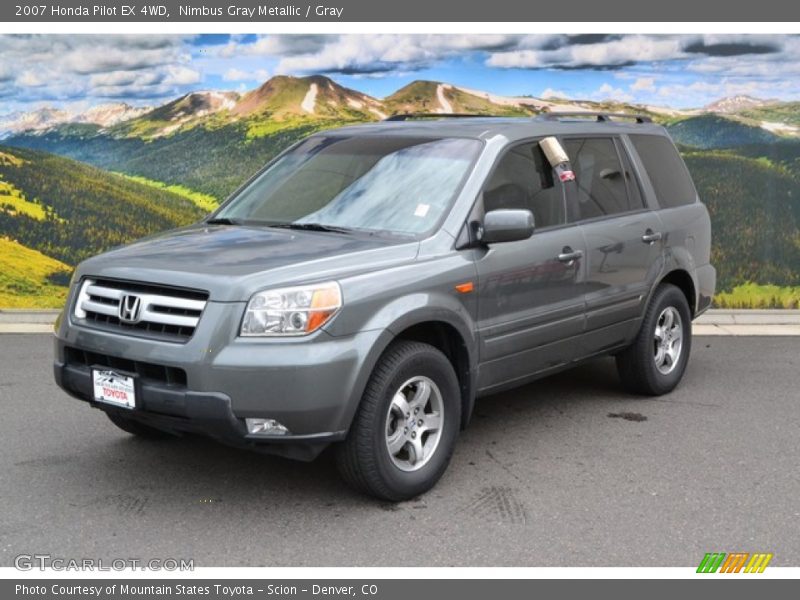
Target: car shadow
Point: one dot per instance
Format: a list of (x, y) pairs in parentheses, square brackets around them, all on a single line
[(213, 473)]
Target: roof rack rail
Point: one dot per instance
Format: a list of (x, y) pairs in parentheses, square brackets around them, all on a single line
[(599, 116), (409, 116)]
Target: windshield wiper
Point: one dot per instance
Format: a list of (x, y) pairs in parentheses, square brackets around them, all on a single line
[(223, 221), (312, 227)]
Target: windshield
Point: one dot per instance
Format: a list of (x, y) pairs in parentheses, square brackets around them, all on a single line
[(393, 184)]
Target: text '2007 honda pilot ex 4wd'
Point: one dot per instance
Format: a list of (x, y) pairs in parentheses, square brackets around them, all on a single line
[(369, 283)]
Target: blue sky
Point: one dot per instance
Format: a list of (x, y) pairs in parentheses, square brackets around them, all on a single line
[(680, 71)]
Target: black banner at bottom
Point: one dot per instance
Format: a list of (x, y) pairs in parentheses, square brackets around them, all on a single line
[(384, 589)]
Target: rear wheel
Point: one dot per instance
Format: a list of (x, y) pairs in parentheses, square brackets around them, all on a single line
[(136, 428), (654, 364), (403, 435)]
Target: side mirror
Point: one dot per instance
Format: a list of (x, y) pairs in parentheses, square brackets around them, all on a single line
[(506, 225)]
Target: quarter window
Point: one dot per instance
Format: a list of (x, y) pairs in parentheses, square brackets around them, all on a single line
[(602, 183), (667, 172), (523, 179)]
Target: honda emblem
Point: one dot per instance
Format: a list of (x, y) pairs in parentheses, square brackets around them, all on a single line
[(129, 308)]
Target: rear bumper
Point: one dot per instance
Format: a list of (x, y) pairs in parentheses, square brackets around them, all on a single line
[(706, 285)]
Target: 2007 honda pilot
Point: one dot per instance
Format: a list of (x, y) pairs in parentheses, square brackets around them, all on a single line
[(368, 284)]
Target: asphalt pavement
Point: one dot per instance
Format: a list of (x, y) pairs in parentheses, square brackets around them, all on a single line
[(569, 471)]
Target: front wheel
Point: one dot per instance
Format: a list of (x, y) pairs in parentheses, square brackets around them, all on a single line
[(654, 364), (403, 435)]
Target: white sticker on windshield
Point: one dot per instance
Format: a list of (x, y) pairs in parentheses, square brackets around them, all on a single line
[(422, 210)]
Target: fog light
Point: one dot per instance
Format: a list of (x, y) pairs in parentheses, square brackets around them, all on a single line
[(265, 427)]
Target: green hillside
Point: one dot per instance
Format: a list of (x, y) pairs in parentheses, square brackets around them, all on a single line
[(210, 161), (204, 202), (85, 210), (755, 214), (783, 112), (29, 279), (712, 131), (785, 153)]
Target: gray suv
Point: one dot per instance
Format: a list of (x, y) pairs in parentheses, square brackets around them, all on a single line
[(371, 282)]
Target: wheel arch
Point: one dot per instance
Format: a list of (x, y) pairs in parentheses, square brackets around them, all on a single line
[(681, 279), (446, 338), (443, 329)]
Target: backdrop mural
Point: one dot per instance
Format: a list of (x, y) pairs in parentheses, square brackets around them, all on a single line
[(104, 139)]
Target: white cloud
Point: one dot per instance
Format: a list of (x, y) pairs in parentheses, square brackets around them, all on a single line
[(125, 78), (67, 68), (644, 84), (178, 75), (372, 55), (31, 79), (276, 45), (611, 53), (551, 93), (235, 74), (609, 92)]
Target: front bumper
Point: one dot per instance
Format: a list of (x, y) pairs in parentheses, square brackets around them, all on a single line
[(183, 411), (310, 385)]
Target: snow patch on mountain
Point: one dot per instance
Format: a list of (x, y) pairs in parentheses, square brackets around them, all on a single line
[(106, 115), (734, 104), (444, 103), (310, 100), (780, 128)]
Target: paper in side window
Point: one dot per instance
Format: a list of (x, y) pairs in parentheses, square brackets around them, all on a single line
[(557, 157)]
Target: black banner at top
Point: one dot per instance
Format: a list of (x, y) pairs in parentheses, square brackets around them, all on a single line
[(264, 11)]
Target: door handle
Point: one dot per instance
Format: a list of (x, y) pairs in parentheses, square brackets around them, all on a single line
[(650, 236), (568, 255)]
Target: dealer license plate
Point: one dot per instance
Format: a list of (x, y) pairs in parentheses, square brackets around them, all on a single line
[(112, 388)]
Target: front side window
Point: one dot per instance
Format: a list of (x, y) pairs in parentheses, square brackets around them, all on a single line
[(390, 184), (524, 179), (602, 183)]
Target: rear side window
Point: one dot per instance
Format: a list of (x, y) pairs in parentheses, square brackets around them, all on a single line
[(524, 179), (602, 183), (668, 174)]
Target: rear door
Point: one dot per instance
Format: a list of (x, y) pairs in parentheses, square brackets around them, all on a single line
[(530, 304), (622, 235)]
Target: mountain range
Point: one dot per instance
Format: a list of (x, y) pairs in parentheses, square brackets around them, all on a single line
[(42, 119), (316, 97)]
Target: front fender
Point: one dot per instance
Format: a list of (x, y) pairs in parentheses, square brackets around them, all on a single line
[(392, 300), (401, 314)]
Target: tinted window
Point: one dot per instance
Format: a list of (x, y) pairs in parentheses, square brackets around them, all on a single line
[(668, 174), (601, 182), (524, 179)]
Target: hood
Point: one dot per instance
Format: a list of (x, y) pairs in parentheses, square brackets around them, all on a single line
[(233, 262)]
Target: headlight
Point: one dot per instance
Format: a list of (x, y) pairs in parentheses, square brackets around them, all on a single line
[(291, 311)]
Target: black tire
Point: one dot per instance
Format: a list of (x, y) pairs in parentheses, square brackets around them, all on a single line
[(636, 364), (364, 460), (137, 428)]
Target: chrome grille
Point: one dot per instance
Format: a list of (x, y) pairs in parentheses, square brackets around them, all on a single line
[(140, 309)]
